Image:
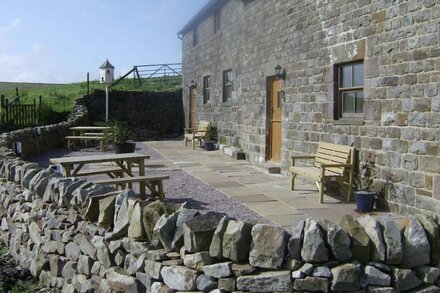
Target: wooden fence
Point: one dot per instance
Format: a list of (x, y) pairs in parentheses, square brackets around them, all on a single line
[(15, 115)]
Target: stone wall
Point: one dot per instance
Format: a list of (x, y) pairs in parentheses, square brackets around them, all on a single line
[(50, 137), (149, 115), (399, 44), (79, 237)]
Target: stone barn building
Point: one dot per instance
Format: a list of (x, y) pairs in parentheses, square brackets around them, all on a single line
[(359, 73)]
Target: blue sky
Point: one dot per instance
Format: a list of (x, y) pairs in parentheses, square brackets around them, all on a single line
[(61, 40)]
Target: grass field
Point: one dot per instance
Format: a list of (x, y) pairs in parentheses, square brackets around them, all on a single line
[(61, 96)]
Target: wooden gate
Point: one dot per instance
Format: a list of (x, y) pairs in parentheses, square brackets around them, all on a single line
[(274, 117), (15, 115)]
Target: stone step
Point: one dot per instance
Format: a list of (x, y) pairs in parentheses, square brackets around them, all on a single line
[(270, 167)]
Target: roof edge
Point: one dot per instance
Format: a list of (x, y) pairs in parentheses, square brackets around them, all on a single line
[(211, 6)]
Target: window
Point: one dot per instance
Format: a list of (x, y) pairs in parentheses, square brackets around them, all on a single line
[(216, 21), (206, 89), (227, 85), (195, 37), (350, 90)]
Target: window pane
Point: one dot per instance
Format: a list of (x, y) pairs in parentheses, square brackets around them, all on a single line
[(359, 102), (358, 74), (346, 76), (348, 102)]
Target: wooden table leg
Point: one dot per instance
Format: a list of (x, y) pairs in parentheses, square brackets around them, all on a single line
[(142, 173), (67, 170)]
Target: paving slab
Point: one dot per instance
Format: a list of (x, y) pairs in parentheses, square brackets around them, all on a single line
[(267, 194)]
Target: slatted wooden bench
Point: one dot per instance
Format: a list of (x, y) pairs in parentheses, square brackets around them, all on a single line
[(197, 133), (153, 183), (71, 139), (93, 134), (330, 161)]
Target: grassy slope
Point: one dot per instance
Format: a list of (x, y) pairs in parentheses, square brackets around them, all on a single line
[(61, 96)]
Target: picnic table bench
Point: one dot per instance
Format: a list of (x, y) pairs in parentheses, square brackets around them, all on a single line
[(197, 133), (84, 134), (153, 183), (330, 161)]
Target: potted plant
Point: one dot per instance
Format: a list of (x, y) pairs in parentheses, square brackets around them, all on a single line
[(364, 180), (209, 142), (118, 136)]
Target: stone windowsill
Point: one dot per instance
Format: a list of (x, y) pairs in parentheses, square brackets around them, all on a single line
[(347, 122)]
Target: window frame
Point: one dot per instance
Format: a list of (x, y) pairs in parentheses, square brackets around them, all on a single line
[(227, 87), (341, 90), (217, 21), (206, 89), (195, 39)]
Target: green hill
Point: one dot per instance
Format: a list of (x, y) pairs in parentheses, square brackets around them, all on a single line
[(61, 96)]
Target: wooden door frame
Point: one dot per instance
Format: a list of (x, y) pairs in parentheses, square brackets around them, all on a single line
[(191, 92), (269, 81)]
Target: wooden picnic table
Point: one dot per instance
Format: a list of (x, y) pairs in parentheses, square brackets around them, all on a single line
[(82, 129), (72, 165)]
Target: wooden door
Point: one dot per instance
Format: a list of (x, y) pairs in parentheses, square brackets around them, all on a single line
[(275, 120), (192, 107)]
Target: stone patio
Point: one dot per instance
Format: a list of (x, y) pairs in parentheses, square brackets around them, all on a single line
[(267, 194)]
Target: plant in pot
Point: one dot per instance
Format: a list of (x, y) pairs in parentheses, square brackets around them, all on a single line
[(209, 141), (364, 180), (118, 136)]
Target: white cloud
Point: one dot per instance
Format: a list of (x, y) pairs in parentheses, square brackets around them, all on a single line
[(16, 22), (33, 66)]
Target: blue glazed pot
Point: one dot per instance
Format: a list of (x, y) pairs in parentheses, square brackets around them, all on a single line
[(209, 145), (365, 200)]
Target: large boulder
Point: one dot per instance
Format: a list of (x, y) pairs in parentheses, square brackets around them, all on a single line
[(216, 247), (314, 247), (337, 240), (296, 239), (374, 232), (391, 235), (359, 239), (151, 215), (164, 230), (433, 233), (405, 279), (416, 247), (180, 278), (276, 281), (184, 215), (268, 246), (198, 232), (237, 240), (346, 277)]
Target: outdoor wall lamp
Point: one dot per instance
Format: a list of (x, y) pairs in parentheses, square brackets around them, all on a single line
[(16, 146), (193, 84), (280, 72)]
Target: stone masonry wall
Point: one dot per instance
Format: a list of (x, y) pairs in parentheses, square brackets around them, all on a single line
[(399, 44), (77, 237), (52, 136), (149, 115)]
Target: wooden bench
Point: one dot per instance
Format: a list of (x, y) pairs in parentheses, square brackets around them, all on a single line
[(112, 172), (197, 133), (153, 183), (93, 134), (85, 138), (330, 161)]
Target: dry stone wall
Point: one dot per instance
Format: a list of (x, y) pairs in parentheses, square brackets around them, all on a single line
[(149, 115), (77, 237), (49, 137)]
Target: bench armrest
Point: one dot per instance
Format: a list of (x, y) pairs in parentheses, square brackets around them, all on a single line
[(294, 158), (336, 165)]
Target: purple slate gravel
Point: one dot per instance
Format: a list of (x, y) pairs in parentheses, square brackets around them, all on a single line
[(181, 187)]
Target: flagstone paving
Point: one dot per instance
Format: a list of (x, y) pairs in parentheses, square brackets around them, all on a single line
[(267, 194)]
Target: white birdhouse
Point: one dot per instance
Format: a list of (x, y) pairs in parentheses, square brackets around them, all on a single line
[(107, 72)]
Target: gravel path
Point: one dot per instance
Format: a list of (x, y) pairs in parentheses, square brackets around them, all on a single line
[(181, 187)]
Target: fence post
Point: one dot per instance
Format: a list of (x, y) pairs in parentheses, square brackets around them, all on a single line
[(88, 88), (7, 111), (2, 121)]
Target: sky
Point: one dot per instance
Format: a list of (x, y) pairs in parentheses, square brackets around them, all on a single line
[(59, 41)]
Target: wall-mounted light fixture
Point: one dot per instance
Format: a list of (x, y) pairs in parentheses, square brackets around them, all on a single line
[(192, 84), (280, 72), (283, 96)]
